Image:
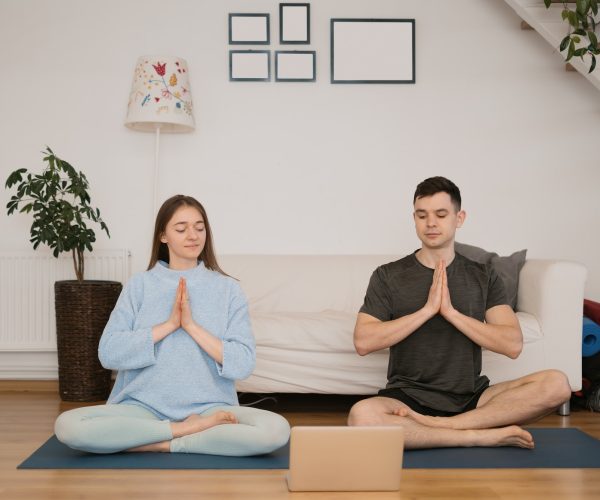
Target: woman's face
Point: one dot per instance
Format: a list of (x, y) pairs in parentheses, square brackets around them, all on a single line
[(185, 237)]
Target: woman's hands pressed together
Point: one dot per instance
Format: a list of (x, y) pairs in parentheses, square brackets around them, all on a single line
[(187, 321), (181, 317)]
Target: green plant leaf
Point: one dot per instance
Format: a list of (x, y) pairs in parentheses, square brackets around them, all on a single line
[(26, 208), (573, 19), (571, 50), (594, 6), (593, 65), (565, 42), (582, 6), (14, 177), (593, 38), (565, 14)]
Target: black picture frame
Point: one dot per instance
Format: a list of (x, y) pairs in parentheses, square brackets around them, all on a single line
[(353, 45), (249, 20), (282, 23), (235, 62), (282, 69)]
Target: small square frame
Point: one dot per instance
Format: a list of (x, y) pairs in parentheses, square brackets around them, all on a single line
[(372, 51), (249, 29), (249, 65), (295, 66), (294, 23)]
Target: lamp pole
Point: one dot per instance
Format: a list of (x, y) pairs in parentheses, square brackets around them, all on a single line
[(156, 151)]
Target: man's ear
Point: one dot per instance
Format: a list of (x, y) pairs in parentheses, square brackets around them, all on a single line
[(460, 218)]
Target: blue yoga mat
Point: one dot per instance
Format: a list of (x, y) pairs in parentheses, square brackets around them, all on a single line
[(590, 341), (555, 448)]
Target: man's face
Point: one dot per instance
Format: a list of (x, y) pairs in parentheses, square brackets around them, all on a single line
[(436, 220)]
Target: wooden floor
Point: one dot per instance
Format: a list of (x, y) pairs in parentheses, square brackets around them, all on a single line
[(27, 419)]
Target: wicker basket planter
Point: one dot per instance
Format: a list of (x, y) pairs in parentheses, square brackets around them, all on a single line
[(82, 310)]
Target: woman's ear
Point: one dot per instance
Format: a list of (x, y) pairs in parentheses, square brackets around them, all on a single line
[(163, 238)]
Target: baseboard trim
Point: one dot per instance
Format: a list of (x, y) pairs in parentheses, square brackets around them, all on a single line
[(29, 386), (28, 365)]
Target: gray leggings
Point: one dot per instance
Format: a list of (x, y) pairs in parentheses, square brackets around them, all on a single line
[(116, 427)]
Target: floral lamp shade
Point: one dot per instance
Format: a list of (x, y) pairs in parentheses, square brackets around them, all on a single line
[(160, 96)]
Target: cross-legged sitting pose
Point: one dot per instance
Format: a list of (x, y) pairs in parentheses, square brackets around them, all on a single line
[(179, 337), (435, 310)]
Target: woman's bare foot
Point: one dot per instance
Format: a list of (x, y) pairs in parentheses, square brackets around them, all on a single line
[(164, 447), (198, 423), (512, 435)]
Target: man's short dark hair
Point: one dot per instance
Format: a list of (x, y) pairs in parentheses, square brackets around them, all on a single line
[(434, 185)]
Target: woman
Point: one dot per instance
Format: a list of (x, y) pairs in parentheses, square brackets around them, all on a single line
[(179, 337)]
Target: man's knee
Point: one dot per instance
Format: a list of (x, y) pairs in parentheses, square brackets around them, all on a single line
[(365, 412), (555, 387)]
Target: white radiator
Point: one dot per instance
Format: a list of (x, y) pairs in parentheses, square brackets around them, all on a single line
[(27, 321)]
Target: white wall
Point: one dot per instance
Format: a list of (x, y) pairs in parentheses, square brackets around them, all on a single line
[(310, 167)]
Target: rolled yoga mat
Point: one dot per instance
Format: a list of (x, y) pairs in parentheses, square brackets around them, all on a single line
[(590, 343)]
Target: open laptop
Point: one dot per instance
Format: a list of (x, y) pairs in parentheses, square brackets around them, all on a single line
[(339, 458)]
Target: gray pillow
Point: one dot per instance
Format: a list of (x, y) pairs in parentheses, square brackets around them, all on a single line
[(508, 268)]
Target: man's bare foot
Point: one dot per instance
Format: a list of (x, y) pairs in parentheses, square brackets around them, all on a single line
[(198, 423), (512, 435)]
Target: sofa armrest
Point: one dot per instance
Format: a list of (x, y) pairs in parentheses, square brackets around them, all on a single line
[(552, 290)]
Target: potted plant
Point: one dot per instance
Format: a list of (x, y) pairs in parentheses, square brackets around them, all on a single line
[(59, 201)]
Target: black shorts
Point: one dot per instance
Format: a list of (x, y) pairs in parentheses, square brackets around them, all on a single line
[(400, 395)]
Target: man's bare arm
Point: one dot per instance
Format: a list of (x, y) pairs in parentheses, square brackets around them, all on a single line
[(500, 333), (372, 334)]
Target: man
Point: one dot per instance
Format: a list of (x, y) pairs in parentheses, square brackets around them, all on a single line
[(435, 310)]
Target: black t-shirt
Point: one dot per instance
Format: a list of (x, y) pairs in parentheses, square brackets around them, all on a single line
[(436, 365)]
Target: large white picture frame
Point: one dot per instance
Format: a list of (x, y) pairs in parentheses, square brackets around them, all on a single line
[(372, 51)]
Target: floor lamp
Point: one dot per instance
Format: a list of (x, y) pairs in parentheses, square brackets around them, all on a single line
[(160, 101)]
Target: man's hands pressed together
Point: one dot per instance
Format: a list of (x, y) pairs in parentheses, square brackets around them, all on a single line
[(438, 300)]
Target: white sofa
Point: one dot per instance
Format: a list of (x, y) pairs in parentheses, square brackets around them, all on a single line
[(303, 310)]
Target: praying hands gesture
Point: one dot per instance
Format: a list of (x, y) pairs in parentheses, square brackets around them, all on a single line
[(438, 301), (181, 314), (181, 317)]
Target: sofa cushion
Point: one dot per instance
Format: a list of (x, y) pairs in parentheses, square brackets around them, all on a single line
[(508, 268), (311, 331), (332, 331)]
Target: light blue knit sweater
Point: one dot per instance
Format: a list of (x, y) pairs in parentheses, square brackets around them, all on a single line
[(175, 377)]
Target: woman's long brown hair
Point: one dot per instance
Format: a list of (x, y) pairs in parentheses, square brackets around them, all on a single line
[(160, 251)]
